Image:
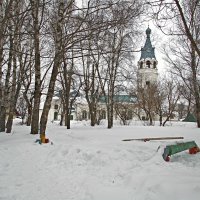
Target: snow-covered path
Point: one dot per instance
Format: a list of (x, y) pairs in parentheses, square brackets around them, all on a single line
[(87, 163)]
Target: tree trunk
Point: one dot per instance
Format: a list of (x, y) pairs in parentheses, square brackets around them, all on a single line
[(2, 118), (2, 107), (198, 114), (16, 85), (150, 120), (166, 120), (66, 117), (28, 121), (47, 104), (7, 82), (109, 121), (110, 112), (93, 117), (195, 84), (160, 118), (67, 106), (13, 106), (37, 92), (62, 117), (68, 120), (13, 95)]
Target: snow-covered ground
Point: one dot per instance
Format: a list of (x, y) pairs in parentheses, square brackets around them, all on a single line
[(86, 163)]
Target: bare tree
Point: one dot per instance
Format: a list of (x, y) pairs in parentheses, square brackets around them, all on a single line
[(21, 108), (70, 88), (176, 12), (186, 63), (173, 95), (90, 64), (124, 111), (184, 18), (160, 99), (115, 42), (146, 101)]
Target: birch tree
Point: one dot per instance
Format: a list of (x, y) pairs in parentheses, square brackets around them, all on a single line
[(5, 11)]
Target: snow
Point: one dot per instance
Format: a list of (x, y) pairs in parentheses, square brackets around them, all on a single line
[(93, 163)]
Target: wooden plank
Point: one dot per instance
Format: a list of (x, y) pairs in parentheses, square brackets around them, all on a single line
[(154, 138)]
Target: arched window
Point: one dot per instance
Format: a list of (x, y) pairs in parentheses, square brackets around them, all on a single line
[(148, 63), (84, 114), (55, 116), (141, 65), (103, 114), (154, 64)]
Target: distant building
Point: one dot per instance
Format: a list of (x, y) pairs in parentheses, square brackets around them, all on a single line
[(147, 65)]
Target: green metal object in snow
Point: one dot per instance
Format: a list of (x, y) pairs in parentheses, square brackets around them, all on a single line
[(176, 148)]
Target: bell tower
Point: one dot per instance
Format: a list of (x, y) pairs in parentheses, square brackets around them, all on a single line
[(147, 65)]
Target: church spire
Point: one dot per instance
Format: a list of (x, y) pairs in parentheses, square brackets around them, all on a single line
[(148, 50), (147, 65)]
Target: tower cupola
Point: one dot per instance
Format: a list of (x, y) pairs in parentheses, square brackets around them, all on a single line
[(148, 50), (148, 32)]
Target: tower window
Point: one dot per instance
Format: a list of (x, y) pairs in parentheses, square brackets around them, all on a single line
[(55, 106), (148, 63), (55, 116), (141, 65), (148, 83), (154, 64)]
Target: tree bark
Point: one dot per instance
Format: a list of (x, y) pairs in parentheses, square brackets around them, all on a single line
[(13, 95), (37, 92), (2, 111)]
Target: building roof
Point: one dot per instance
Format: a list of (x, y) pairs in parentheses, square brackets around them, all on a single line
[(148, 50), (119, 98), (190, 118)]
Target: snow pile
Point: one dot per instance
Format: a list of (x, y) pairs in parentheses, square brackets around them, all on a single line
[(87, 163)]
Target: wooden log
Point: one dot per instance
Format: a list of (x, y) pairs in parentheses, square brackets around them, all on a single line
[(154, 138)]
